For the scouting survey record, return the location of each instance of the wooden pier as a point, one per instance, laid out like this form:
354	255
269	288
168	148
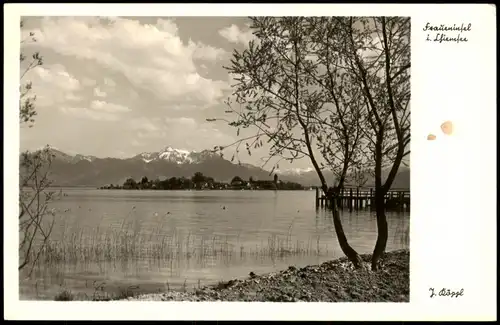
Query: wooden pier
356	199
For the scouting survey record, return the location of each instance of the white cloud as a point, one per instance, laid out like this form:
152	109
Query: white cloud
373	47
152	57
57	76
83	112
143	124
100	105
133	94
87	82
53	85
136	143
99	93
176	128
109	82
73	97
208	52
179	132
158	134
235	35
167	25
181	122
98	111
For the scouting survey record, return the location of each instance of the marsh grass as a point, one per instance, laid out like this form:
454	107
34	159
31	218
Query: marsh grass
127	246
65	295
96	247
128	242
100	293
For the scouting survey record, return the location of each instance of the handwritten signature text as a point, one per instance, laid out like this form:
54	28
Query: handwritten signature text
444	292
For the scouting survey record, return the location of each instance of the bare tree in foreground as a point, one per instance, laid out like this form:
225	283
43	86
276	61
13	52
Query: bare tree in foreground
384	77
34	228
291	91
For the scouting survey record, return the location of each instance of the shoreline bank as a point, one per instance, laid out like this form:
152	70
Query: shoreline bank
331	281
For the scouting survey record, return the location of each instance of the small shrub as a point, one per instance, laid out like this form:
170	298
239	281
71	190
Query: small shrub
222	285
125	293
65	295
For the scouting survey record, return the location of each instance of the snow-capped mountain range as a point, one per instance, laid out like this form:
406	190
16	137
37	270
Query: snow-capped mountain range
178	156
182	156
168	154
88	170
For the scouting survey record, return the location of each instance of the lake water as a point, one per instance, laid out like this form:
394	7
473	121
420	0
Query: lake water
110	240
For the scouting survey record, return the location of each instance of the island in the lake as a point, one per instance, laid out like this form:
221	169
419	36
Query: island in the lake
202	182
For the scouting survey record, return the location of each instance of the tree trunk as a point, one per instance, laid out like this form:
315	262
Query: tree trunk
351	254
380	191
383	232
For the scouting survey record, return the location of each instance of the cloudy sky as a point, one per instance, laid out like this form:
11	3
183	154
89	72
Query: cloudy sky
116	87
120	86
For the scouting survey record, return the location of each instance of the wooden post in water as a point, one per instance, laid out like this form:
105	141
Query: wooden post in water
317	198
350	200
357	199
339	199
342	198
371	198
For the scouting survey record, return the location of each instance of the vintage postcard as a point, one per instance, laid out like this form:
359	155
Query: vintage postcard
250	162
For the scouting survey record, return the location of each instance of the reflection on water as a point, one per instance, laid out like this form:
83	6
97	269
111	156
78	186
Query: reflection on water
158	240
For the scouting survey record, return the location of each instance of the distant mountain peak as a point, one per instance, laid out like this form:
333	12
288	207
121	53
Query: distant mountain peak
50	148
175	155
60	155
294	171
79	157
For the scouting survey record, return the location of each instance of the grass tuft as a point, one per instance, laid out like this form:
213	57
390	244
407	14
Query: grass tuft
65	295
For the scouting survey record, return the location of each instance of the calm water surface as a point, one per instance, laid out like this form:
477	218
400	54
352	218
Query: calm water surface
160	240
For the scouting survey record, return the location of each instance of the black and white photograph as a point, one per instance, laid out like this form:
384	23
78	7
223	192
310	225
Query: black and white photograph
249	161
215	158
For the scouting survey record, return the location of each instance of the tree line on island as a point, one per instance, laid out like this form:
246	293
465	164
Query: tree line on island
201	182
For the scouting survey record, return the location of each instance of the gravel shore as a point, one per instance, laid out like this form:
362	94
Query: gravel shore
332	281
